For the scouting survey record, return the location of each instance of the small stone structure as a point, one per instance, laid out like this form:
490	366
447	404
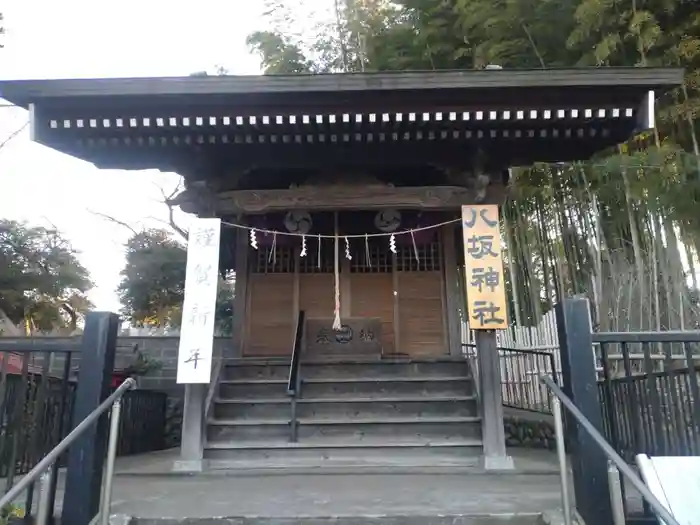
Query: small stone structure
536	431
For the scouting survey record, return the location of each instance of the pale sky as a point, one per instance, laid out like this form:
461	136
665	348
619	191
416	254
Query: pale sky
89	38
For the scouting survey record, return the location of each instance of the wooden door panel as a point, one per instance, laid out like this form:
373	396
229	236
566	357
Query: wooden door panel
372	295
270	315
421	323
316	295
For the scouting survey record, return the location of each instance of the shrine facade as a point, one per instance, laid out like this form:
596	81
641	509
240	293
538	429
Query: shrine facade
366	201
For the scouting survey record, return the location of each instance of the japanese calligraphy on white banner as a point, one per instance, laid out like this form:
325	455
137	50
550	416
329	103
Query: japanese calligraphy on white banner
194	360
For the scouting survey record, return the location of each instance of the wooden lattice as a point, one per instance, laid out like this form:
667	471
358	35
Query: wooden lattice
267	260
419	258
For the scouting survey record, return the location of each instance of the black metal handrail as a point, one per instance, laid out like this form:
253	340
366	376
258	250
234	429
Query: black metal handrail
613	456
294	379
46	468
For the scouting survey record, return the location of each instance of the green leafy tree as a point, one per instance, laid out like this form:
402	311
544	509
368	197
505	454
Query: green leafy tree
622	228
152	289
279	54
42	284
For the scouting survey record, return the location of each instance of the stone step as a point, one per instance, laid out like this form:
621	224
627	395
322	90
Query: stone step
417	519
378	406
252	388
275	408
432	427
355	387
387	387
400	452
421	428
348	369
248	429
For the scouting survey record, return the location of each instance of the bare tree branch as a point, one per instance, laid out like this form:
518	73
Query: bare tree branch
114	220
13	135
184	234
167	200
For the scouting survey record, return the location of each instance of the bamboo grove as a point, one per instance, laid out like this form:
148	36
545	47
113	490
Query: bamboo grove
622	228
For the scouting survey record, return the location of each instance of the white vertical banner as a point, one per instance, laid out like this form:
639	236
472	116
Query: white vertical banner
194	359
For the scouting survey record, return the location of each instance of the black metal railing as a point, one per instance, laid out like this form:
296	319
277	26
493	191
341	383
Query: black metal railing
521	371
649	389
294	379
614	459
142	426
36	403
37	394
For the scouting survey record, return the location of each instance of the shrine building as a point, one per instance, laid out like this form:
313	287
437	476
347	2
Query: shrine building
344	203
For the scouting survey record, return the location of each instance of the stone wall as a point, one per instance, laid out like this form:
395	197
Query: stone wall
162	348
529	430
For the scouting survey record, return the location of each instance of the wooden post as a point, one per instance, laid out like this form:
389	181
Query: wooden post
451	290
195	353
345	289
493	434
239	302
81	499
193	429
486	305
396	302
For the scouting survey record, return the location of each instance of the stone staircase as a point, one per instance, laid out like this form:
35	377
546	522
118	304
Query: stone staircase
531	519
351	413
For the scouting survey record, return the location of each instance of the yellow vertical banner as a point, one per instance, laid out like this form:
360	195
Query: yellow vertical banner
485	285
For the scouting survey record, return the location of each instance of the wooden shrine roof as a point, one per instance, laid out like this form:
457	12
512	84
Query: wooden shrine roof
194	124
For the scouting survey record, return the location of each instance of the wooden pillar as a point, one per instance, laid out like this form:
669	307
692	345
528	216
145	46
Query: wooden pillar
452	293
493	434
193	413
193	429
296	290
397	314
487	307
345	289
240	299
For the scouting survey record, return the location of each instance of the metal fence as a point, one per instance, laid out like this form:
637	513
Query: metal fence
142	426
520	379
521	369
650	392
36	406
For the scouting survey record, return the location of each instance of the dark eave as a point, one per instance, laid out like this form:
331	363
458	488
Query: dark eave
216	123
25	92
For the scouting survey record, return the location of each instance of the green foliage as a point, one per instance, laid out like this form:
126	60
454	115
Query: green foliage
142	364
153	280
281	56
9	512
41	280
623	227
152	289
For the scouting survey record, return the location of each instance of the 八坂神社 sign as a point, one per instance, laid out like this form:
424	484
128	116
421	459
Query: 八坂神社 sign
486	289
194	358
